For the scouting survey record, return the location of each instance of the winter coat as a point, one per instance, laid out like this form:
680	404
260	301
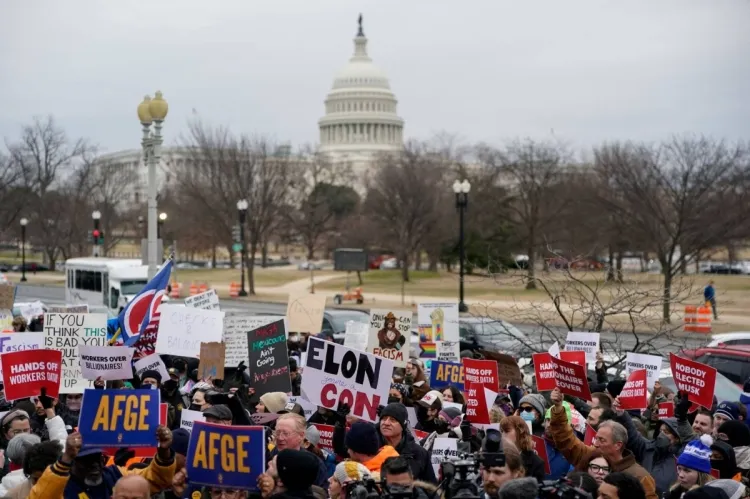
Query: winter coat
658	456
579	454
418	458
11	481
558	465
533	465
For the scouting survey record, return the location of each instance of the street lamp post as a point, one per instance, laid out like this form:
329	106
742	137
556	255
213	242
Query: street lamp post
140	226
160	227
152	111
24	222
242	212
96	216
461	189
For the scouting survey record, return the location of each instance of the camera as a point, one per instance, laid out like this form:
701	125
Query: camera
561	488
363	489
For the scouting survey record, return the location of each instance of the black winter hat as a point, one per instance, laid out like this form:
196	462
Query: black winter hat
398	412
615	386
737	432
298	469
728	465
362	438
705	493
151	374
292	365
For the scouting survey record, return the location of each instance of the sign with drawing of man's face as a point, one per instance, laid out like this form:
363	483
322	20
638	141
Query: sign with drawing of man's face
390	332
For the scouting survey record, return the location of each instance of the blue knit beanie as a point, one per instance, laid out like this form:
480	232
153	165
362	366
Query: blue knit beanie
362	438
697	454
729	410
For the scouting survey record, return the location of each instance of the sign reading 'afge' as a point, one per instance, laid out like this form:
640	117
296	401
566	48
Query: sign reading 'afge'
66	332
119	418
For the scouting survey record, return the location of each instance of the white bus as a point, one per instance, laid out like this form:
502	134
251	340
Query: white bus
110	282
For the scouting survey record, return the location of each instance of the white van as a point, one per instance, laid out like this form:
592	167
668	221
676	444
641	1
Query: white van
111	282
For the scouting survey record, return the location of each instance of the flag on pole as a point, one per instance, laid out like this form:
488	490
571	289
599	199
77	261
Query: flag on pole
137	315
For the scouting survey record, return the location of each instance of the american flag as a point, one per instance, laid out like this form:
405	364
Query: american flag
146	344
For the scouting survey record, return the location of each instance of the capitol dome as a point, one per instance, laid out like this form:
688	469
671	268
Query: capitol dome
361	118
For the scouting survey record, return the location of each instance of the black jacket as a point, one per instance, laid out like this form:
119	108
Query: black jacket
533	464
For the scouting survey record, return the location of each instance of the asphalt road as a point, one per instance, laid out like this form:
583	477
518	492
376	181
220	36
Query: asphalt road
54	295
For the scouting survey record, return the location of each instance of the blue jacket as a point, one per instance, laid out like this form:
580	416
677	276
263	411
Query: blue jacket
558	465
709	292
745	399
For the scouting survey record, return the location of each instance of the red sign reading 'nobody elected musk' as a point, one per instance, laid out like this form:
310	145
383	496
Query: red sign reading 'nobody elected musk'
697	379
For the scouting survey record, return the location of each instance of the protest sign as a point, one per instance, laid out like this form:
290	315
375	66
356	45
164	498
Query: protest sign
355	336
478	375
436	322
419	434
633	395
107	363
698	380
326	437
189	417
411	412
14	342
65	332
236	328
571	379
226	456
7	296
508	370
554	350
269	359
541	450
574	357
307	408
666	410
30	310
147	452
119	418
305	312
445	374
151	363
183	329
207	301
651	363
211	361
6	320
389	335
336	374
583	342
588	438
25	373
443	449
544	371
448	351
82	308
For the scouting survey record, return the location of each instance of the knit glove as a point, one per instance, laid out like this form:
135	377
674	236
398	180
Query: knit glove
47	402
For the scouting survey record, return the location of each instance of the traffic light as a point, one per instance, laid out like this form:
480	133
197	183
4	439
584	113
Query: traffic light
96	237
236	234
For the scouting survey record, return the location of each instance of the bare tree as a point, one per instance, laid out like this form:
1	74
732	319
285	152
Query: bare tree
108	183
679	198
404	199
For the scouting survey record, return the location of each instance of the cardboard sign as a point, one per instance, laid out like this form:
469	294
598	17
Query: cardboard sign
544	370
6	320
326	437
507	368
583	342
30	310
698	380
634	395
541	450
189	417
14	342
443	449
448	351
119	418
66	332
108	363
25	373
151	363
651	363
305	312
236	328
390	333
571	379
355	336
445	374
478	375
207	301
183	329
7	296
666	410
69	309
269	359
335	373
226	456
211	361
574	357
588	438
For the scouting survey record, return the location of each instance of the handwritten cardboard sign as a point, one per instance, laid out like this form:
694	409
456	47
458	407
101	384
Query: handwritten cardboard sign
7	296
305	312
236	328
211	361
269	359
507	368
183	329
66	332
207	301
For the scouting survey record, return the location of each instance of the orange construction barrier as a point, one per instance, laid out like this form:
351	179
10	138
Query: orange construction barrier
234	289
203	287
697	319
176	288
193	289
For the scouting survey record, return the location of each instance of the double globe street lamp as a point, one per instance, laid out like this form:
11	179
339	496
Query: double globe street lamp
461	189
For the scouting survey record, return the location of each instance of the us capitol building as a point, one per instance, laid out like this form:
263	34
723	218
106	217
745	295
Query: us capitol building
360	122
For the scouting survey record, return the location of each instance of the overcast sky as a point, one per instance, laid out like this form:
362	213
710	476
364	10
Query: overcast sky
586	71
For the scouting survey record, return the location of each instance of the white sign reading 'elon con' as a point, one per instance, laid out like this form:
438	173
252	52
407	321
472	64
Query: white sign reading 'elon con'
336	374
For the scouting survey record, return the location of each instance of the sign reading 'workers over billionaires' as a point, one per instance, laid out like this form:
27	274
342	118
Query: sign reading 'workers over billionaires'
107	363
698	380
226	456
119	418
336	374
27	372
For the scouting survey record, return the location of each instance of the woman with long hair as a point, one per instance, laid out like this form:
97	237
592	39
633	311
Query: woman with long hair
516	430
416	380
693	467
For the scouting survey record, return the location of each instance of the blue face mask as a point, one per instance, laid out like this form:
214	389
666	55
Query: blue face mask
527	416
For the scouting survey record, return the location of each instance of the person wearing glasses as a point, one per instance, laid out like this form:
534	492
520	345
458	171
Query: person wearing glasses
598	468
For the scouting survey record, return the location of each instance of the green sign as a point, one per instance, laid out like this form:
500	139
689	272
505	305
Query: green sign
236	247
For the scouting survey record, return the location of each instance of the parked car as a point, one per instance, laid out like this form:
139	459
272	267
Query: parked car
731	361
477	333
727	339
334	322
31	267
309	266
389	264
